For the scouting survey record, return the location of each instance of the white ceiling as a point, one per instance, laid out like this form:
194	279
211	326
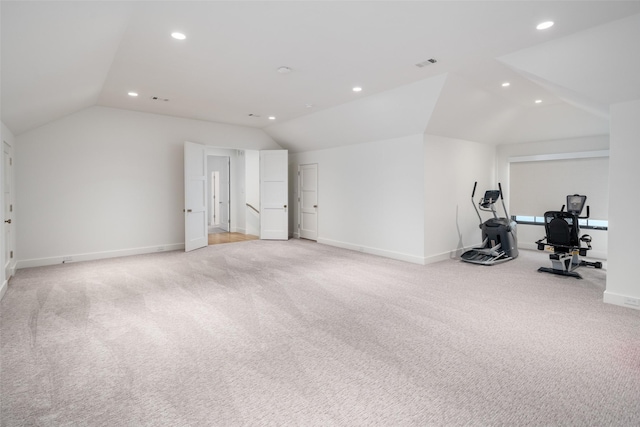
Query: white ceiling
61	57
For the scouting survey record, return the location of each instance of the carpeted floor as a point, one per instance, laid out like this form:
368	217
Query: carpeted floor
264	333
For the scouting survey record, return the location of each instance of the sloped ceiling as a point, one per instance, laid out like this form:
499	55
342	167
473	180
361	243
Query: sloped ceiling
398	112
595	68
61	57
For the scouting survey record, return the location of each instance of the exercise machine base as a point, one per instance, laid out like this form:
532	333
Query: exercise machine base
484	256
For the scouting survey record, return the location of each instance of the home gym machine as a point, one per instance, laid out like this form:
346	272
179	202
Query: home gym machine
564	240
499	237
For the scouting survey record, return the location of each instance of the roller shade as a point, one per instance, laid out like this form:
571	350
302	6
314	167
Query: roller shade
539	186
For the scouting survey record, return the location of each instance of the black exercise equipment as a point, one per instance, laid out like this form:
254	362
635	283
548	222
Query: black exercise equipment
499	237
563	238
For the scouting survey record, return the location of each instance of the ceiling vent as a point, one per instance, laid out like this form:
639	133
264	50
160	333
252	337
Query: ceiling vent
254	115
157	98
425	63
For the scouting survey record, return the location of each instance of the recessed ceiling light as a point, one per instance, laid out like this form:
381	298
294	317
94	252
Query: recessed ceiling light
178	36
309	105
506	84
284	70
357	89
544	25
538	101
134	94
272	118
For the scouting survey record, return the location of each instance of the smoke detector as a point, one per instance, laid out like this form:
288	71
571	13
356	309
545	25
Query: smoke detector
425	63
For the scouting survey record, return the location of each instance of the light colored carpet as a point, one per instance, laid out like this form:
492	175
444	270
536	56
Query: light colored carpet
297	333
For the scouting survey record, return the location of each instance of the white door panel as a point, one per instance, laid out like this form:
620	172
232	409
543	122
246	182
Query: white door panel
195	196
8	210
274	195
308	194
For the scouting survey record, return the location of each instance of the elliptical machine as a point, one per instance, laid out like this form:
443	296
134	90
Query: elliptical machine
499	235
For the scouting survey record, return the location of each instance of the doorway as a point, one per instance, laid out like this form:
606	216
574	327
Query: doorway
219	194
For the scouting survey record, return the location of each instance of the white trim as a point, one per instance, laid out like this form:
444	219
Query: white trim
375	251
559	156
40	262
621	300
3	289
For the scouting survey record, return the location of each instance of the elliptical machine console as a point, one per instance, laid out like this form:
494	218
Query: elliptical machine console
499	235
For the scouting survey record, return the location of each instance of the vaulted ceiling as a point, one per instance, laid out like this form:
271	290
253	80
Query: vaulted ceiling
62	57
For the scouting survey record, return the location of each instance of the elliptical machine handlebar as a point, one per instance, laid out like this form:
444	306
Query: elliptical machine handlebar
502	199
488	206
473	193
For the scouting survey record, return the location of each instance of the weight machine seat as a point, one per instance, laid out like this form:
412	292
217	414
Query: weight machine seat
563	236
562	230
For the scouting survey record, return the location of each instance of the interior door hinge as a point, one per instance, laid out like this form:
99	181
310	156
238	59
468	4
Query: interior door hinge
11	254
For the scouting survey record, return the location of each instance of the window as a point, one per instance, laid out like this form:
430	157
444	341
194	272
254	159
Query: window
593	224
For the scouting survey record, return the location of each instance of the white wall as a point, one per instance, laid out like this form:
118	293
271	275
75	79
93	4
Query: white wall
451	168
529	234
7	136
107	182
370	196
623	286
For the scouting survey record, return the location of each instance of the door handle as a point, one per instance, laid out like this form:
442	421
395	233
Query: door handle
285	206
188	210
8	221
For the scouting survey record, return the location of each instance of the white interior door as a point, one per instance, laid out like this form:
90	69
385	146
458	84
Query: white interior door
195	196
274	195
8	210
308	201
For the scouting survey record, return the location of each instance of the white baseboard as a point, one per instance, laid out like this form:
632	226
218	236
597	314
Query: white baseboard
40	262
3	289
621	300
374	251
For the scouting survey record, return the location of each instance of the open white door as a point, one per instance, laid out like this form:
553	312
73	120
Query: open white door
308	201
274	195
8	213
195	196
